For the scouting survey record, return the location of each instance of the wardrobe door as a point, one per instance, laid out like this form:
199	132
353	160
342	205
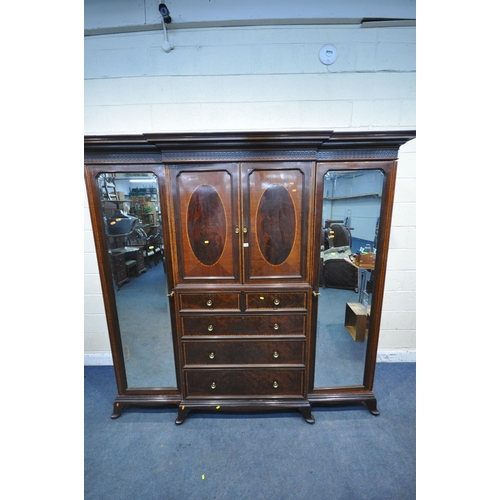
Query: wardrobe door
275	219
354	204
206	213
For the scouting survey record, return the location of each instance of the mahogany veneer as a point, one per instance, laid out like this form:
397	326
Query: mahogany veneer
242	233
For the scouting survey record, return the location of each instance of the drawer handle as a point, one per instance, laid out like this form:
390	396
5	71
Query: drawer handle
275	384
245	230
276	355
209	302
276	302
211	355
210	328
213	385
276	326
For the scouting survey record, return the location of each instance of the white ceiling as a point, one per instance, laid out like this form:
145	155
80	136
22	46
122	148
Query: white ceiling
112	16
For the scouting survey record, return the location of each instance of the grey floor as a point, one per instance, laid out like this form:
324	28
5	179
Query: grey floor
346	454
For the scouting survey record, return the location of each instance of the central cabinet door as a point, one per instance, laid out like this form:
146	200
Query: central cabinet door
275	217
242	223
207	223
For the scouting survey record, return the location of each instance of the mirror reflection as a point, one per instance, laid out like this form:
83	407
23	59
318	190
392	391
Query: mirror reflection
351	211
132	219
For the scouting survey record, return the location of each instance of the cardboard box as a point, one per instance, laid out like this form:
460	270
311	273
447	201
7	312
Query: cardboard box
356	321
366	260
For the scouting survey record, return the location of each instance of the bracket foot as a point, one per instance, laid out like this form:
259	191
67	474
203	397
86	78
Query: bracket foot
372	407
117	409
181	415
307	415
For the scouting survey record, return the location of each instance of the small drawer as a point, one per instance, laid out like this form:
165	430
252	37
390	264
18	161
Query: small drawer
245	352
209	301
244	382
271	325
275	300
121	275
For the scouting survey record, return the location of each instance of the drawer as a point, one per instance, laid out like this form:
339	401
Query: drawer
275	300
244	352
244	382
271	325
209	301
121	275
120	265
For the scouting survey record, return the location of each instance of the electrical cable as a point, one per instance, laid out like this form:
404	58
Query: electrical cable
166	45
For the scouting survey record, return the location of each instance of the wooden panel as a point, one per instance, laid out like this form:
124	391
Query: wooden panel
235	382
206	211
244	352
209	301
275	300
276	197
206	224
275	224
272	325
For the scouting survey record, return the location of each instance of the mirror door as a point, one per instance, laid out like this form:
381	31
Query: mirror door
130	219
351	202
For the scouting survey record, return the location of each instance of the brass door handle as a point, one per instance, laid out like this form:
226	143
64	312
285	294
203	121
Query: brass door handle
275	384
211	355
213	385
276	326
276	355
276	302
316	294
210	328
209	302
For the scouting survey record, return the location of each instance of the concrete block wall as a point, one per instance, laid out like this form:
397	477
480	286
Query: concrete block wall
262	78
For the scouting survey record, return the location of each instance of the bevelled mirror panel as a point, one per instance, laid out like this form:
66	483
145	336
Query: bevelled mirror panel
350	219
135	245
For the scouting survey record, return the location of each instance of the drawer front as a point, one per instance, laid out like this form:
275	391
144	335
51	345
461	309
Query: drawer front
236	382
275	300
139	256
209	301
244	352
119	265
118	258
121	275
272	325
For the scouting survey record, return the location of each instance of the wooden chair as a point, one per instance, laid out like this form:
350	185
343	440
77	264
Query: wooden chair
151	251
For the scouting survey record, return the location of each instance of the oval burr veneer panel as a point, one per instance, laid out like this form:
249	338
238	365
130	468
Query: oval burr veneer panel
275	224
206	224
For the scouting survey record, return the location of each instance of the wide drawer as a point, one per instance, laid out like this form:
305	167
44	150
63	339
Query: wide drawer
243	352
275	300
209	301
243	325
244	382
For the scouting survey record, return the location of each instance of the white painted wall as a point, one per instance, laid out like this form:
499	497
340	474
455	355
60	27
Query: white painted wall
262	78
125	15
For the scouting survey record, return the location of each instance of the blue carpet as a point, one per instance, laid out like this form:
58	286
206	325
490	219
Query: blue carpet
347	454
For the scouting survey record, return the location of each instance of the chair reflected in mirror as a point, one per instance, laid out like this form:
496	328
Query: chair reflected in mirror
151	245
336	271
